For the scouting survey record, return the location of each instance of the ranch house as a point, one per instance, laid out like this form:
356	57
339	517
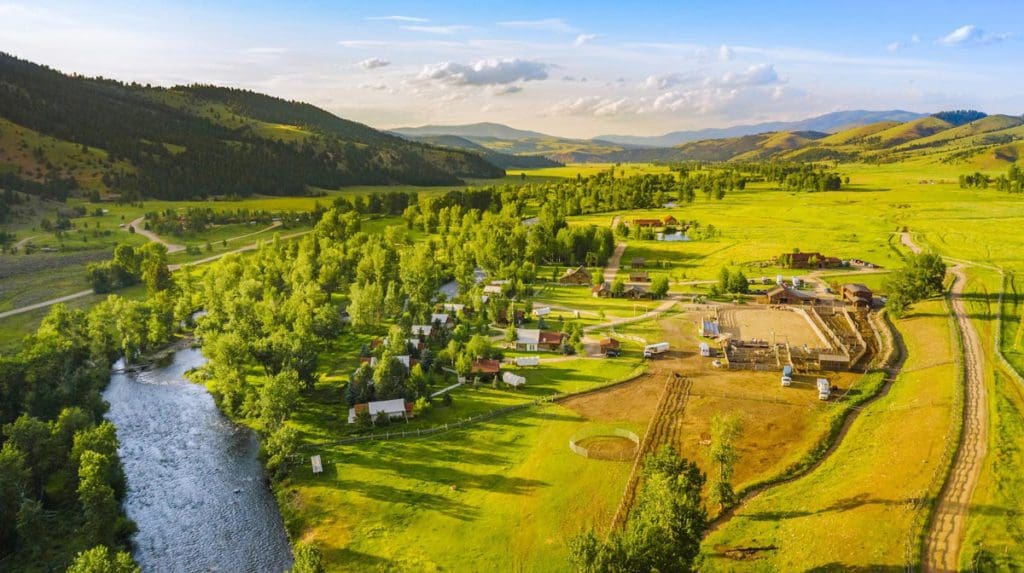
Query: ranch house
603	290
577	276
639	277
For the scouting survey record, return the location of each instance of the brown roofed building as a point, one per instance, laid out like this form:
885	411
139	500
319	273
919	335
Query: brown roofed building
550	340
485	367
647	222
670	220
577	276
639	277
857	294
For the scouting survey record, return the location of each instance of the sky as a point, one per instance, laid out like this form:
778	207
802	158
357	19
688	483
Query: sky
575	69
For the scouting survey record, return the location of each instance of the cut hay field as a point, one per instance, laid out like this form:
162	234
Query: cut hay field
857	510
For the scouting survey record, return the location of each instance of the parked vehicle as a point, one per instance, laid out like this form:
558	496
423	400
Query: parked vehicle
824	389
652	350
787	375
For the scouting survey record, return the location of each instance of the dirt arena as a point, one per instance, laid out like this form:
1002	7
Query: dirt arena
769	324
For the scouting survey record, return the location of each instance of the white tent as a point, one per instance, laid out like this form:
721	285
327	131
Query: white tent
513	380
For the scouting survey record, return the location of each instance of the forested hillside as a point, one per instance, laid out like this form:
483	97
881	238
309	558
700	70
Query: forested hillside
198	141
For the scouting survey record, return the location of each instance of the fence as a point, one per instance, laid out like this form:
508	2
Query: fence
595	433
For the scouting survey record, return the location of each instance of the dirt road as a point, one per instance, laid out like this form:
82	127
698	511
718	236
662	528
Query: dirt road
139	226
946	534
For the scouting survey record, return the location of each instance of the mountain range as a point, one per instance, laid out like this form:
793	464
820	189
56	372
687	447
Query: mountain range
194	141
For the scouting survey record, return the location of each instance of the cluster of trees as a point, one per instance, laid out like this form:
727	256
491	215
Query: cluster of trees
960	116
54	186
797	176
665	525
129	266
731	282
199	219
60	476
1010	182
921	277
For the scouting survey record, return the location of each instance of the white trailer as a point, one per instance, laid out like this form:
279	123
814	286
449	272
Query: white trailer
705	349
824	389
652	350
528	361
542	311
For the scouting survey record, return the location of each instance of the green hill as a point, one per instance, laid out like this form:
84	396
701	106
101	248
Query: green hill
197	141
502	160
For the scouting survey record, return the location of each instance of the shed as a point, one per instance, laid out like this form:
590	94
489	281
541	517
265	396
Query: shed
857	294
603	290
423	330
635	291
541	311
647	222
550	340
607	344
492	289
637	262
485	367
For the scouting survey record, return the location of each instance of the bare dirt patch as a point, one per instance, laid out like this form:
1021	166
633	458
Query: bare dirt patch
608	448
633	401
770	324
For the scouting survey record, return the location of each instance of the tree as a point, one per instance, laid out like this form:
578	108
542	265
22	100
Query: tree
14	478
510	332
277	448
725	431
99	505
100	559
738	283
922	276
665	526
308	559
389	377
278	396
724	280
659	286
153	268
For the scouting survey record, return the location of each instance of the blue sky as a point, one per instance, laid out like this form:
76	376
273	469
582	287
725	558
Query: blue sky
568	68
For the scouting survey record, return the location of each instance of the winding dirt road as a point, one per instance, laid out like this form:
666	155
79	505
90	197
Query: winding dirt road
946	533
139	225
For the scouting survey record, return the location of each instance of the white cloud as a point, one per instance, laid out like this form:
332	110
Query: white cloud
504	90
583	39
261	50
362	43
556	25
400	18
757	74
897	46
442	30
664	81
971	35
725	53
373	63
486	72
375	87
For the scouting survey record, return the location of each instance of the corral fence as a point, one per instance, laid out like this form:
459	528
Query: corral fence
574	444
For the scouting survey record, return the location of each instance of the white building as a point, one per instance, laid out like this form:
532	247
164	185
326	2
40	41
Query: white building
528	339
395	409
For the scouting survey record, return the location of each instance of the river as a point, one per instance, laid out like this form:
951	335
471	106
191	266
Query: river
196	489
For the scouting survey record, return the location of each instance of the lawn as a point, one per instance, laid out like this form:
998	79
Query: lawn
856	510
